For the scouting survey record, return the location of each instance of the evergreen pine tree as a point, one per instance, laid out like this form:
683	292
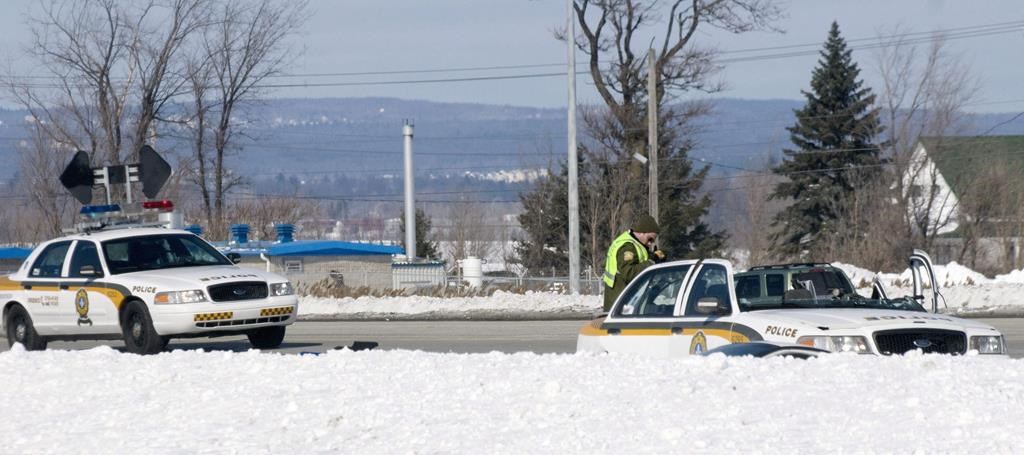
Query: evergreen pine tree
544	244
426	247
836	153
684	234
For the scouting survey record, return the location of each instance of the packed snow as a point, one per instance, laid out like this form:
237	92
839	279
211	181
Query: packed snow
103	401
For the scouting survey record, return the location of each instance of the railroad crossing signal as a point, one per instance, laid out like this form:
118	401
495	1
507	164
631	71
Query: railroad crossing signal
80	178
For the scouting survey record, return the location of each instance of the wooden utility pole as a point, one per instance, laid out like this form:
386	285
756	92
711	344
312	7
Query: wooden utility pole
652	133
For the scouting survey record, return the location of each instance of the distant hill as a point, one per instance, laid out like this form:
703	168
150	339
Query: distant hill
360	137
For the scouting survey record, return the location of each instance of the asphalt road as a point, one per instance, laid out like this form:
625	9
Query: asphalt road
445	336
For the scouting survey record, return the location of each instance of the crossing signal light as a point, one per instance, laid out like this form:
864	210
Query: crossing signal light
80	178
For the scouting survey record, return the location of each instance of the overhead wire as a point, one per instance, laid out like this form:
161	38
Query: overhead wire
872	43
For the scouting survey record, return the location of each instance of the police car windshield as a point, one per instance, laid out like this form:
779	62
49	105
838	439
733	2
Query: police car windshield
154	252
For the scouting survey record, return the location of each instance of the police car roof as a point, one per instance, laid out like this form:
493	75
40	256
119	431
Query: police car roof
108	234
794	265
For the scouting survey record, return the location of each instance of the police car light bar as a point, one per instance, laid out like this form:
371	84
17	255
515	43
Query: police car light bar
95	211
161	206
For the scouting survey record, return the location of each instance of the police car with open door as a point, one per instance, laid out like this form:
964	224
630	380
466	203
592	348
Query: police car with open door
144	285
689	307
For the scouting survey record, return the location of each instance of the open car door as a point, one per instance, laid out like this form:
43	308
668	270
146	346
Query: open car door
921	268
878	290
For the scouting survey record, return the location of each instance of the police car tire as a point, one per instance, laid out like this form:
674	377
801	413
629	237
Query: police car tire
139	335
19	320
267	337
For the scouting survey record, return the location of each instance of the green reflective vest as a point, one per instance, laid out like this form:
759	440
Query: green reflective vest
611	263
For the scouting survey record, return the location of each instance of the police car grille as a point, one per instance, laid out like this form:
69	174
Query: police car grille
928	340
260	320
245	290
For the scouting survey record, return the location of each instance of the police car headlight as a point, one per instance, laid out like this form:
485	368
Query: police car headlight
193	296
988	345
279	289
855	344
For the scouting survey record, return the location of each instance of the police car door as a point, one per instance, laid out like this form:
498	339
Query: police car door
84	300
641	319
708	302
921	269
41	286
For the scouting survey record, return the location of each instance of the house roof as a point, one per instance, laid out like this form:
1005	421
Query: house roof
331	248
963	159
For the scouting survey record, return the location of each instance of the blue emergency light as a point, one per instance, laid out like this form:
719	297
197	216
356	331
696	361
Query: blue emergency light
94	211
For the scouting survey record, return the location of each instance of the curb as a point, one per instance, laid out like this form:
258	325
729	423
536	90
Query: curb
474	315
489	315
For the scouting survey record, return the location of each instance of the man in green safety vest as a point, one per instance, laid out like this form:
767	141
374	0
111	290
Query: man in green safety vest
630	253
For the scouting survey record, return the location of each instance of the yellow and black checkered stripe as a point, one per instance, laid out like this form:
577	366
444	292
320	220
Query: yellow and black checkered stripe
199	317
277	311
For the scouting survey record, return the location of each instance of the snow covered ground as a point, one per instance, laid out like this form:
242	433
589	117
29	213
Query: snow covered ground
103	401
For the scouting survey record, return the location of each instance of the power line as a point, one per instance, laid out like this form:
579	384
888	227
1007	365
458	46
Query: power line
873	43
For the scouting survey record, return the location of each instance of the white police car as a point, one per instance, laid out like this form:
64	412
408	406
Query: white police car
142	284
689	307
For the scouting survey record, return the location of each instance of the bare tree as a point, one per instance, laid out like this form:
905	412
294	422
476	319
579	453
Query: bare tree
922	95
615	36
155	56
40	160
471	232
112	67
110	73
262	214
245	46
81	47
749	228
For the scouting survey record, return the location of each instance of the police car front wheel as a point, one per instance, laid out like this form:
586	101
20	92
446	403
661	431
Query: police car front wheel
139	335
20	330
267	337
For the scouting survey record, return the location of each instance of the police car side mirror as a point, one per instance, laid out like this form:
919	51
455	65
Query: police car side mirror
88	270
711	306
235	258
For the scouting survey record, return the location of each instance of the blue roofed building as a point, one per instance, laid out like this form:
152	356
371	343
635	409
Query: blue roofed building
335	262
11	258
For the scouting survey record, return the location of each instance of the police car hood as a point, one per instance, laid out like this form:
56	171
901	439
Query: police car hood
184	278
853	318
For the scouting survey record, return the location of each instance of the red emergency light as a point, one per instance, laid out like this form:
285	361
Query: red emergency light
163	206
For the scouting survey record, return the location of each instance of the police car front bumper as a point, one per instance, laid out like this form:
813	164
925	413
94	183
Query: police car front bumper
191	318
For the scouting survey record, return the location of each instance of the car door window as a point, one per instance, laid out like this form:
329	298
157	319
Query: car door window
712	281
50	262
653	294
825	282
85	254
748	287
775	284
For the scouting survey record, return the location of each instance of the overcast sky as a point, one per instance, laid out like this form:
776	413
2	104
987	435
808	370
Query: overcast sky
360	36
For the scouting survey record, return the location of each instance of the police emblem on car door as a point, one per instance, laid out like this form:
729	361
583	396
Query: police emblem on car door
82	306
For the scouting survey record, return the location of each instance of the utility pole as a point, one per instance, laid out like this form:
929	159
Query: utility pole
574	199
410	202
652	132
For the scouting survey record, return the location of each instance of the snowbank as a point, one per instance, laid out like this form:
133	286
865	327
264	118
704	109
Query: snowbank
949	275
501	303
102	401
